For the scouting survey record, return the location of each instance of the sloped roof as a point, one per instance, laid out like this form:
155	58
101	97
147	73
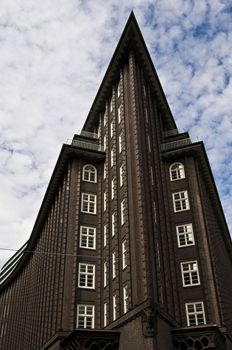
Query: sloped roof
131	39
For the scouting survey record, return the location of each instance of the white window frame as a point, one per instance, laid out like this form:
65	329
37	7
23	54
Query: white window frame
118	89
182	201
105	274
105	315
87	237
113	265
104	201
91	201
114	307
124	254
112	158
86	275
105	118
120	143
88	315
113	183
111	129
125	299
185	235
113	224
104	171
176	173
190	273
195	317
104	235
92	171
119	114
104	143
123	214
121	175
111	104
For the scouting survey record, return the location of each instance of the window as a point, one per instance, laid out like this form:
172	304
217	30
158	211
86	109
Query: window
121	175
120	143
104	143
124	254
190	273
85	316
112	188
185	236
195	313
113	224
111	130
125	299
180	201
111	104
105	314
104	235
105	118
119	115
111	158
123	209
88	203
104	171
86	278
176	171
105	274
114	307
89	173
146	115
87	237
118	89
104	201
113	265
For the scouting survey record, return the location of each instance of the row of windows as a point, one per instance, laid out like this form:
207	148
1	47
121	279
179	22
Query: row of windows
89	204
195	312
114	263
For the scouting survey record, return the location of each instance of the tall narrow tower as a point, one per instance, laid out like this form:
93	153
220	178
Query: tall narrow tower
130	249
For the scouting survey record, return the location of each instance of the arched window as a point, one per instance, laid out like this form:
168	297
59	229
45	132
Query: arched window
177	171
89	173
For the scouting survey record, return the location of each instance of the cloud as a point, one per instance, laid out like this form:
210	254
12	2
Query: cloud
53	56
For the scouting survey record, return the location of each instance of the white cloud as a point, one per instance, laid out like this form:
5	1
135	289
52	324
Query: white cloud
53	55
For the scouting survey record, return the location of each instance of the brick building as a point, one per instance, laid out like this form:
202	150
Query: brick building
130	248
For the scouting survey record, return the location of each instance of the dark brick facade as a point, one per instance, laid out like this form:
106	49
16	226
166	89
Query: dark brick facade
144	302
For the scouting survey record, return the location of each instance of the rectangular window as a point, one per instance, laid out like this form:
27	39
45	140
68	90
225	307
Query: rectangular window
180	201
113	265
104	143
111	158
105	314
104	171
111	104
88	203
124	254
195	313
190	273
185	236
114	307
87	237
152	178
85	316
111	130
118	89
86	276
113	224
104	201
146	115
120	143
112	188
119	115
121	175
125	299
105	118
105	274
104	235
123	209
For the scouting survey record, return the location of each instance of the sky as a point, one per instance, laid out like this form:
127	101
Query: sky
53	56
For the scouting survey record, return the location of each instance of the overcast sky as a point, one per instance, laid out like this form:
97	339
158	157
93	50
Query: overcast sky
53	55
